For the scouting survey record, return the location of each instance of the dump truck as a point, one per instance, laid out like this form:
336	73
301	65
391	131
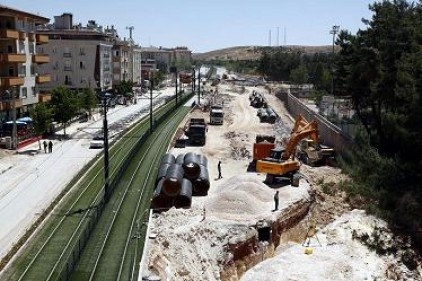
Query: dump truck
313	153
196	130
282	162
216	115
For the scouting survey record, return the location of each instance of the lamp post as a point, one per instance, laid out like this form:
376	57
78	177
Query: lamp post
107	191
173	69
151	86
199	85
193	79
334	30
11	101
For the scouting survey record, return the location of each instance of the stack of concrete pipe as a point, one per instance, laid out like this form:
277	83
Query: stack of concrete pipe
178	179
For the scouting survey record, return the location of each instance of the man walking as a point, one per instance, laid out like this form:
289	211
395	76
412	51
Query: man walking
276	199
219	170
50	146
45	146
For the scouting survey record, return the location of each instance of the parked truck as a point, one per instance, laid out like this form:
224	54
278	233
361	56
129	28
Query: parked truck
216	115
196	130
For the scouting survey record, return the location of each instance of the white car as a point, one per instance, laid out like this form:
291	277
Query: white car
97	142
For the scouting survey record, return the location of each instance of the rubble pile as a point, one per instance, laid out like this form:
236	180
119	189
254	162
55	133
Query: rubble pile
238	143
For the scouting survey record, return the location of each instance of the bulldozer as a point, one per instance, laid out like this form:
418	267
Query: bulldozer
282	161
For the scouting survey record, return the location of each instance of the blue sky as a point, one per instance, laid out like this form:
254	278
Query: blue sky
209	25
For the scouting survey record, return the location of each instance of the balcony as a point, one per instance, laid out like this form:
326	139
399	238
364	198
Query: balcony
40	58
22	35
12	58
44	97
7	104
41	39
9	34
6	82
42	78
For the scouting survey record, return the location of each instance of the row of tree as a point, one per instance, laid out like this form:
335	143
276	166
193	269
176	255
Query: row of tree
64	105
381	69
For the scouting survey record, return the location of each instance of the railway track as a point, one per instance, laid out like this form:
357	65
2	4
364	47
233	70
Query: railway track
47	256
113	252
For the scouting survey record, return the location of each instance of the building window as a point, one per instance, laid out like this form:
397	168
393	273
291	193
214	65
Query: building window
67	65
24	92
22	71
82	65
34	93
67	53
31	48
82	51
67	80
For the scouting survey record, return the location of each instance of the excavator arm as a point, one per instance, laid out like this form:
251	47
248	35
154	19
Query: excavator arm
274	167
302	129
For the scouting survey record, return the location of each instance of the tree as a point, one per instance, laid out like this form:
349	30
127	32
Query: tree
381	69
64	104
41	116
299	75
88	100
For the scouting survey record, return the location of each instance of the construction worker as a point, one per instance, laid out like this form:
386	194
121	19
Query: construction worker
276	200
219	170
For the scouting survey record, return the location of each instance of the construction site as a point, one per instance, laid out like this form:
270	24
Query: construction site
271	208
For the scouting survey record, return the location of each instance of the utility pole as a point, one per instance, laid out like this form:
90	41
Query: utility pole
150	101
334	30
199	86
173	69
11	99
107	192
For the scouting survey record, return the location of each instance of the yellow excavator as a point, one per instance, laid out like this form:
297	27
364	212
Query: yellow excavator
282	162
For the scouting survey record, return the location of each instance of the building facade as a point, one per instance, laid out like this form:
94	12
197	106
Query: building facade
21	74
80	57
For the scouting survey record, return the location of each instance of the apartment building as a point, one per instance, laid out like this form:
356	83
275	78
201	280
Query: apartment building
80	56
163	58
126	62
21	75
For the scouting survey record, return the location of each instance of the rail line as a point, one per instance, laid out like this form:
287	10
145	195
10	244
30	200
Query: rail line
115	259
45	258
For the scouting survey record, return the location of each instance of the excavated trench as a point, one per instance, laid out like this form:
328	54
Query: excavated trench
261	244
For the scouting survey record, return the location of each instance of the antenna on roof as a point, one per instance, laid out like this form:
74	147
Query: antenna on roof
130	31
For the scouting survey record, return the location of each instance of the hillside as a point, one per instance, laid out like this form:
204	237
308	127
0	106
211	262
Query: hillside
254	52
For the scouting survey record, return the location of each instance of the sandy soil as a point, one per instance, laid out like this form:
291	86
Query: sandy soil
192	244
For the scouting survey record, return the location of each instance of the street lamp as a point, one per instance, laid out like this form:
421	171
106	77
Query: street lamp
151	86
173	69
193	79
11	101
334	30
105	97
199	85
